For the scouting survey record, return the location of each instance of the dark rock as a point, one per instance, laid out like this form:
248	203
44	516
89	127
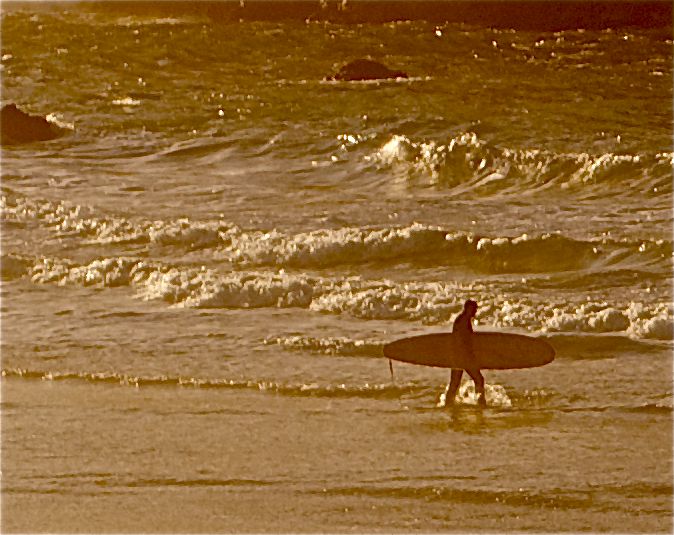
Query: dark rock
365	69
17	126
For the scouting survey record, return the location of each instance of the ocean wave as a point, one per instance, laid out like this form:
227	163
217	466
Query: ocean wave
641	322
497	396
579	499
341	390
377	82
131	21
184	286
342	347
449	496
577	345
467	162
415	243
67	220
660	407
208	289
75	221
323	248
126	101
428	302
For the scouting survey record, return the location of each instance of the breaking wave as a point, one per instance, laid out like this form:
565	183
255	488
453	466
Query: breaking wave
467	161
428	302
497	396
261	269
416	243
68	221
366	390
343	347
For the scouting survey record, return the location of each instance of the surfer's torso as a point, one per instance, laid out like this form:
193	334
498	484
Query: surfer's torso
463	329
463	325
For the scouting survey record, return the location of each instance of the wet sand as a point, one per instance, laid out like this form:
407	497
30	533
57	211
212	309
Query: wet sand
99	458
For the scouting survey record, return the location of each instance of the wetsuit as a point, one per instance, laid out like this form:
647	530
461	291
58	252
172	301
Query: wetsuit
463	329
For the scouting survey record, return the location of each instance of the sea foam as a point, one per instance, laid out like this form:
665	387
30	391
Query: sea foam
426	302
466	160
323	248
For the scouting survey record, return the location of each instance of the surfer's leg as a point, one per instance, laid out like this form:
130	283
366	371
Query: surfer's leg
453	386
478	379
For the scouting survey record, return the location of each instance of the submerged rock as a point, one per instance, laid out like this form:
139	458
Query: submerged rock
17	126
365	69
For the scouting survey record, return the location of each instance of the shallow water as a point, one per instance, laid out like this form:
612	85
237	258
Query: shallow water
198	279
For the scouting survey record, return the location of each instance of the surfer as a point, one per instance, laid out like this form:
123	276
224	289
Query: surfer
463	328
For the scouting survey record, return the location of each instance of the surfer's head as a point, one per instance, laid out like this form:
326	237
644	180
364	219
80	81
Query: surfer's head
470	307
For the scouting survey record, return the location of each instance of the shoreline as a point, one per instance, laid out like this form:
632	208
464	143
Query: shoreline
81	458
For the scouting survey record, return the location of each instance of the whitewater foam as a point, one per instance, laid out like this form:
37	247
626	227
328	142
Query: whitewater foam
342	347
427	302
495	395
466	160
417	243
330	390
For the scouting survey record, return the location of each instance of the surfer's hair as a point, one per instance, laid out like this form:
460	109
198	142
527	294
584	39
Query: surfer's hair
470	304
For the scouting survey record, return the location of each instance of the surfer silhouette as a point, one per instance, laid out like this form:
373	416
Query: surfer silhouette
463	329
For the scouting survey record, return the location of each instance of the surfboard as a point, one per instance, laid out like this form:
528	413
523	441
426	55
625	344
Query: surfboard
495	351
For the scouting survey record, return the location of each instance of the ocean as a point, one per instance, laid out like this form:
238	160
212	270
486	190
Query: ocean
199	276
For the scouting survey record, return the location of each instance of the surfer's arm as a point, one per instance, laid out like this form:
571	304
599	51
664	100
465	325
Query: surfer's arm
466	343
469	348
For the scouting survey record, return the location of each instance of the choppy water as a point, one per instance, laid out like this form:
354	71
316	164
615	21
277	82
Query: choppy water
220	217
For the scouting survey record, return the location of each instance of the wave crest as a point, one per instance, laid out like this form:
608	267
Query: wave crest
343	347
428	302
467	162
323	248
342	390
